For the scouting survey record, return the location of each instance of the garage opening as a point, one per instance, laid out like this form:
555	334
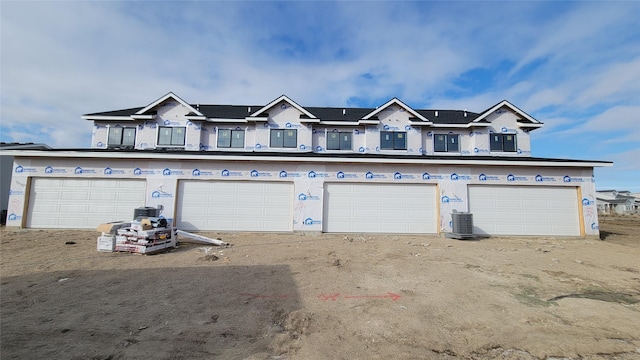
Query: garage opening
82	203
380	208
524	210
235	206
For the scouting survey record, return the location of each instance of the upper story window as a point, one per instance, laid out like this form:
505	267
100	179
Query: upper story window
284	138
503	142
171	136
230	138
446	143
121	136
393	140
339	141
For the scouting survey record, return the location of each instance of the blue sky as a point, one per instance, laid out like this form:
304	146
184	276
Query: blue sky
573	65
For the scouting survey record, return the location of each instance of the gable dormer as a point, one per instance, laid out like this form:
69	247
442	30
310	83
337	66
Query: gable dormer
508	130
506	114
286	126
395	128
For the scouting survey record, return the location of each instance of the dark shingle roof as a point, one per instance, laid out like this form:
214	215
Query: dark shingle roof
347	114
123	112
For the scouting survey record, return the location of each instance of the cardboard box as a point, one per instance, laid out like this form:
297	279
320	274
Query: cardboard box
145	224
106	243
112	227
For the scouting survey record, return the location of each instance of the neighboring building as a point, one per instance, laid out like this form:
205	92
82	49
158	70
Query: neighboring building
617	202
6	165
285	167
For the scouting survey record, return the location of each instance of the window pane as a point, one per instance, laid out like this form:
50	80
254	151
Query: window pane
237	138
290	138
115	136
333	141
164	136
400	141
345	141
440	143
177	136
224	138
452	142
129	136
509	142
276	138
386	140
495	142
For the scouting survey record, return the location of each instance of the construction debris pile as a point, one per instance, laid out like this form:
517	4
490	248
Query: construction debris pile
148	233
144	235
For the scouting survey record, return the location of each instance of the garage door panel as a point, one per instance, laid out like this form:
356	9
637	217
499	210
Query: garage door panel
101	209
46	195
392	208
82	203
235	205
524	210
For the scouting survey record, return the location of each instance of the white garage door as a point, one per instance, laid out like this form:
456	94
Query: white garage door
380	208
235	206
82	203
524	210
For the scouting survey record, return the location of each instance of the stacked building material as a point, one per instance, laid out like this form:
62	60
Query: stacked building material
145	236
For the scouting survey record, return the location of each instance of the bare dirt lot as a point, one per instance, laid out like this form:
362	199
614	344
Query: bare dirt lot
292	296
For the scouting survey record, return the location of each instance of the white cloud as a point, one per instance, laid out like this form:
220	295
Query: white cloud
573	65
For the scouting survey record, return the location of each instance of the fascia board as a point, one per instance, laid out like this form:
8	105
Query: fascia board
420	123
397	102
367	160
143	117
310	121
167	96
338	123
283	98
526	125
256	118
106	118
218	120
460	126
201	118
369	122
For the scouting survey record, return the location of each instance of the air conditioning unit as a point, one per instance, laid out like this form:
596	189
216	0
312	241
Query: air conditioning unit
462	225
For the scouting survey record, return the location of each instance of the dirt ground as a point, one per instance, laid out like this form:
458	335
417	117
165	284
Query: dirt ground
329	296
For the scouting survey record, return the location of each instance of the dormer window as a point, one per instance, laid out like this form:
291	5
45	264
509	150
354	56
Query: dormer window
339	141
121	136
446	143
171	136
230	138
393	140
284	138
503	142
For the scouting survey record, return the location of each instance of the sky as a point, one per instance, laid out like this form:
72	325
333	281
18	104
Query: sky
573	65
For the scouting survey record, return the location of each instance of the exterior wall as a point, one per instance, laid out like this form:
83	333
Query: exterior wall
319	138
284	116
6	165
202	135
162	176
505	121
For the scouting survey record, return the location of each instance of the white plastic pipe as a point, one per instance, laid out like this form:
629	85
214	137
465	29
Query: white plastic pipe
205	239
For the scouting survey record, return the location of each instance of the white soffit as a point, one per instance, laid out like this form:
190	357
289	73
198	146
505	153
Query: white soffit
106	118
